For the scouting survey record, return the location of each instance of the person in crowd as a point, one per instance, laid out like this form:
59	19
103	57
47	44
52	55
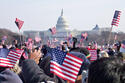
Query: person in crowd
111	52
85	64
32	73
118	45
98	53
107	70
103	54
82	50
121	55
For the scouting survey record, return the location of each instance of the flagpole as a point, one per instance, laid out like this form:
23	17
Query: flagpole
110	35
115	38
67	34
20	38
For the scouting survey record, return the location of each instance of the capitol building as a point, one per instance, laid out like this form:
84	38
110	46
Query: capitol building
62	28
62	31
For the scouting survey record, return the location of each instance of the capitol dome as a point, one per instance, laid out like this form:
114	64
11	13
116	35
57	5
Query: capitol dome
62	24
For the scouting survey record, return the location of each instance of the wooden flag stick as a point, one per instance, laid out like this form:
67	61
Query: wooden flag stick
115	37
110	33
20	38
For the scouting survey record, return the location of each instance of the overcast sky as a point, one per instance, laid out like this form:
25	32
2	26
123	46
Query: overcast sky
43	14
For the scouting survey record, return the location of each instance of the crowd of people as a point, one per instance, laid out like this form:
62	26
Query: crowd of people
33	66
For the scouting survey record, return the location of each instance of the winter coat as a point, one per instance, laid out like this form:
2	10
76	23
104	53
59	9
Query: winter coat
32	73
8	76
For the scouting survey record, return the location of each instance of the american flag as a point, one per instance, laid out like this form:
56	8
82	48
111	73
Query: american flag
14	55
93	54
37	39
55	40
84	35
116	18
69	37
53	30
65	65
11	58
122	48
29	39
4	38
19	23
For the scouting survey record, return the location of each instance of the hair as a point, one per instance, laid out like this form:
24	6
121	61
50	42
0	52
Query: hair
81	50
104	54
107	70
4	46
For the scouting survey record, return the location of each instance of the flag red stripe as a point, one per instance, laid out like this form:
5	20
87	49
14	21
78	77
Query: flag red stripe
8	63
69	71
63	77
70	68
73	60
75	57
71	64
16	52
63	73
5	65
13	55
14	60
7	60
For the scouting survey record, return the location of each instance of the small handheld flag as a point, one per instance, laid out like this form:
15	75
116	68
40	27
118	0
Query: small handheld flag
65	65
116	18
4	38
53	30
9	58
19	23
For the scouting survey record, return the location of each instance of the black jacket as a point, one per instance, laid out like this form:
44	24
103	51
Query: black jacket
8	76
33	73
